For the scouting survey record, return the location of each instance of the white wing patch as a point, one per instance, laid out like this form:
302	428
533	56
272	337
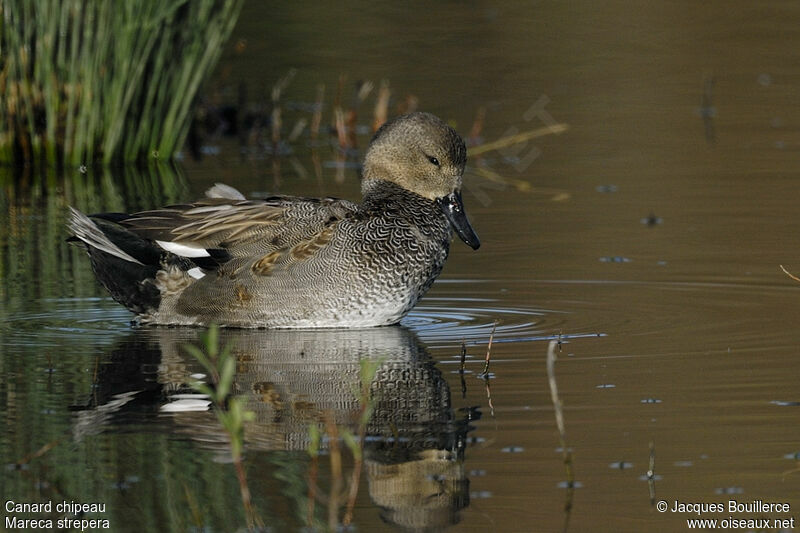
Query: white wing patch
220	190
208	209
183	250
196	272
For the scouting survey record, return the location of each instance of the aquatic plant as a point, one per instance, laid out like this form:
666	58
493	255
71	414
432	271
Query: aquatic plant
221	367
353	441
86	81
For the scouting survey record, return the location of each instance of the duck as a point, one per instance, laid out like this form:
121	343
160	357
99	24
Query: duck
288	261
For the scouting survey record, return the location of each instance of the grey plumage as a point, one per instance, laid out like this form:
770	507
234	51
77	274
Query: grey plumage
302	262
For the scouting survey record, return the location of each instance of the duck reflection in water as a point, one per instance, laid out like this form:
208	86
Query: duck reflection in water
414	446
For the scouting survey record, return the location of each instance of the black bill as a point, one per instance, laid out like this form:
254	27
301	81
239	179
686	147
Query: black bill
453	208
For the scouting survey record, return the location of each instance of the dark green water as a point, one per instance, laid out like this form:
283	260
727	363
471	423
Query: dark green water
650	231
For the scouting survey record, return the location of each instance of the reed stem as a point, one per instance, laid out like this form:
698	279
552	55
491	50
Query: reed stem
101	81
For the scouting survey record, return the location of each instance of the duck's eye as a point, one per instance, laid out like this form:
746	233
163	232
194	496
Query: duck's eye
433	160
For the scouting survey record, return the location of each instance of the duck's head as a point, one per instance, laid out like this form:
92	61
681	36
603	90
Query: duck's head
423	155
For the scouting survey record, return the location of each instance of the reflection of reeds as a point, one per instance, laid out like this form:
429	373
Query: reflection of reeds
381	105
86	81
276	119
314	438
316	119
338	115
473	139
34	257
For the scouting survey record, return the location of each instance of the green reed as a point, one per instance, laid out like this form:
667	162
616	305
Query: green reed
98	80
230	411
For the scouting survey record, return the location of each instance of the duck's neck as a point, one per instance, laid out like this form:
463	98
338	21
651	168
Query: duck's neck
380	192
372	187
387	203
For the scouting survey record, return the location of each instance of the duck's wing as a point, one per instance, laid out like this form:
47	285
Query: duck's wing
219	233
240	228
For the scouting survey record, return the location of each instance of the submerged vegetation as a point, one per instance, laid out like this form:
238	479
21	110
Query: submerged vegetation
87	81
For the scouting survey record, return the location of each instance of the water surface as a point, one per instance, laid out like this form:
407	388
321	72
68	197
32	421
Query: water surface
648	235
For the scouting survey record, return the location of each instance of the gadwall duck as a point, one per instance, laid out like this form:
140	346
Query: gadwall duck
290	262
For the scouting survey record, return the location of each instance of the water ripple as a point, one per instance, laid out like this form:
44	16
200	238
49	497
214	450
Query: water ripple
444	321
448	321
59	319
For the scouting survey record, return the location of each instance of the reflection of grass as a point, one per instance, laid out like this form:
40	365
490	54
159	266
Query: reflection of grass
221	366
36	263
102	80
354	442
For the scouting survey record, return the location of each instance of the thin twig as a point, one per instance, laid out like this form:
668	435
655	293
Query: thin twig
297	130
194	508
566	453
96	369
316	118
651	473
463	369
313	450
517	138
364	413
38	453
792	471
341	128
485	372
381	105
409	104
551	375
276	123
358	465
312	489
789	273
244	489
556	195
336	470
477	126
489	396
